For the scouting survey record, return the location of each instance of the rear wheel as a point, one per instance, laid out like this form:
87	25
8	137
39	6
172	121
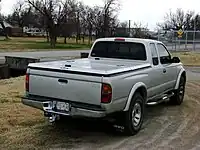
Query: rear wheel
134	116
178	97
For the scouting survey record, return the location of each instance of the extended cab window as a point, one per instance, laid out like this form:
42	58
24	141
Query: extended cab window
165	57
154	54
120	50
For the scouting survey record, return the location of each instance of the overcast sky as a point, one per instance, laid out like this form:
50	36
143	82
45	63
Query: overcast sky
145	11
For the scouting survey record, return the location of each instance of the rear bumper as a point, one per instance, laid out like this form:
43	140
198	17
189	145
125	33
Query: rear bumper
74	111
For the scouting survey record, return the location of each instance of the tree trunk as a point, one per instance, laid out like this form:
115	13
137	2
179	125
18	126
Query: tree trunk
76	39
83	38
96	36
53	42
90	36
4	29
47	36
53	36
65	39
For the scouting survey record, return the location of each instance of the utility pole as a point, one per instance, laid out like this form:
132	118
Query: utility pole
129	28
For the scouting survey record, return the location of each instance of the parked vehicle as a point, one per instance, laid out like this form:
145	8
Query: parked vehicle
119	78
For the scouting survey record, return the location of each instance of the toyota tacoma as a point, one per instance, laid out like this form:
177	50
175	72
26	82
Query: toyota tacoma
119	78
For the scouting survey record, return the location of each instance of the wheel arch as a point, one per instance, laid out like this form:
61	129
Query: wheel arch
138	87
181	73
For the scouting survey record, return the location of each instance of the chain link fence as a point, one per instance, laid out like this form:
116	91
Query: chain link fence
188	41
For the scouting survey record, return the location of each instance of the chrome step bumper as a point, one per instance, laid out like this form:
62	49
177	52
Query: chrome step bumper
79	112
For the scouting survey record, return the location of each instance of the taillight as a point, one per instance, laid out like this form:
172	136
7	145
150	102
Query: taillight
106	93
27	83
119	39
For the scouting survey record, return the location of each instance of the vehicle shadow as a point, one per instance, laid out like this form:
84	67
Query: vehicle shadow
96	133
72	133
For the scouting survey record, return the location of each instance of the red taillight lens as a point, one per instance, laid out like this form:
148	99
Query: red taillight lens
106	93
119	39
27	83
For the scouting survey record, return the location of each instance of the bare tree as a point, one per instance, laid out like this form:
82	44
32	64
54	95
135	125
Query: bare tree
2	18
109	10
140	30
87	21
55	13
4	28
177	20
18	13
195	23
97	21
123	24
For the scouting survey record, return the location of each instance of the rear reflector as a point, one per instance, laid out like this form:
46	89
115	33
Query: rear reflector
27	83
119	39
106	93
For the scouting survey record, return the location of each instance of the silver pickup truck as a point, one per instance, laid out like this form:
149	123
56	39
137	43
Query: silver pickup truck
119	78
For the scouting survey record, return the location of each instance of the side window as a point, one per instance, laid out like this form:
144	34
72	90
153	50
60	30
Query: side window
165	57
154	54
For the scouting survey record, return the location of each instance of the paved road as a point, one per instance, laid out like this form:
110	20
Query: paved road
193	74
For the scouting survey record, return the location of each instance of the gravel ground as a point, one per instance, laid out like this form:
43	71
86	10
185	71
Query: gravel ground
165	127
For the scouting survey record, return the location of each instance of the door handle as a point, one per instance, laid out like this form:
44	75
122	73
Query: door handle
164	70
63	81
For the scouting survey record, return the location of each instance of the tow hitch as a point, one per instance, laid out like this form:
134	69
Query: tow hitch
48	106
53	118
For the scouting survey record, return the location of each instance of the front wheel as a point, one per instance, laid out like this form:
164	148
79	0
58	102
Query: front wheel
135	115
178	97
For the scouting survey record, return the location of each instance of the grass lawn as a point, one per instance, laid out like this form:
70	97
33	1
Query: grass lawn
188	58
34	44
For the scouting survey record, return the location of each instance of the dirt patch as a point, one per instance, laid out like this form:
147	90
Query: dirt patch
165	127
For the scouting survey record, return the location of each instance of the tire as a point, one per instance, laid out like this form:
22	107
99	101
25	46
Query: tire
136	112
179	94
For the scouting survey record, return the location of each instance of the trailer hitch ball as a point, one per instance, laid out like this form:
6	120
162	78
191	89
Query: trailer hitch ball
53	118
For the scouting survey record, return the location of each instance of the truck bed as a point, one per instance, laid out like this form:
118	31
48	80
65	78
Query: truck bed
77	80
89	66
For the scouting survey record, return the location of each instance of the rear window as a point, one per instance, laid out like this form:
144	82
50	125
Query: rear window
120	50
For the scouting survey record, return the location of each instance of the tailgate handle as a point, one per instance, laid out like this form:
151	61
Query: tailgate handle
63	81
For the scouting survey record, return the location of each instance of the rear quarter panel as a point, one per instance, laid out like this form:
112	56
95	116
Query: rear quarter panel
121	87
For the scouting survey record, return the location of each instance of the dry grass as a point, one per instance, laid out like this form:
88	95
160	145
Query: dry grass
23	127
16	120
188	58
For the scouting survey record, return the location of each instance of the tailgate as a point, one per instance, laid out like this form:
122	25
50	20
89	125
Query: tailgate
64	86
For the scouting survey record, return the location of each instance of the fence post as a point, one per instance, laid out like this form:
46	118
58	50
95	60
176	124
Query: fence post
175	42
194	34
186	38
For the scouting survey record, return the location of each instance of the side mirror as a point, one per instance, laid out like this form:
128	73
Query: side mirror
84	55
176	60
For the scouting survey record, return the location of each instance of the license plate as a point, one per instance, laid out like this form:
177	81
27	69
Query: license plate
62	106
